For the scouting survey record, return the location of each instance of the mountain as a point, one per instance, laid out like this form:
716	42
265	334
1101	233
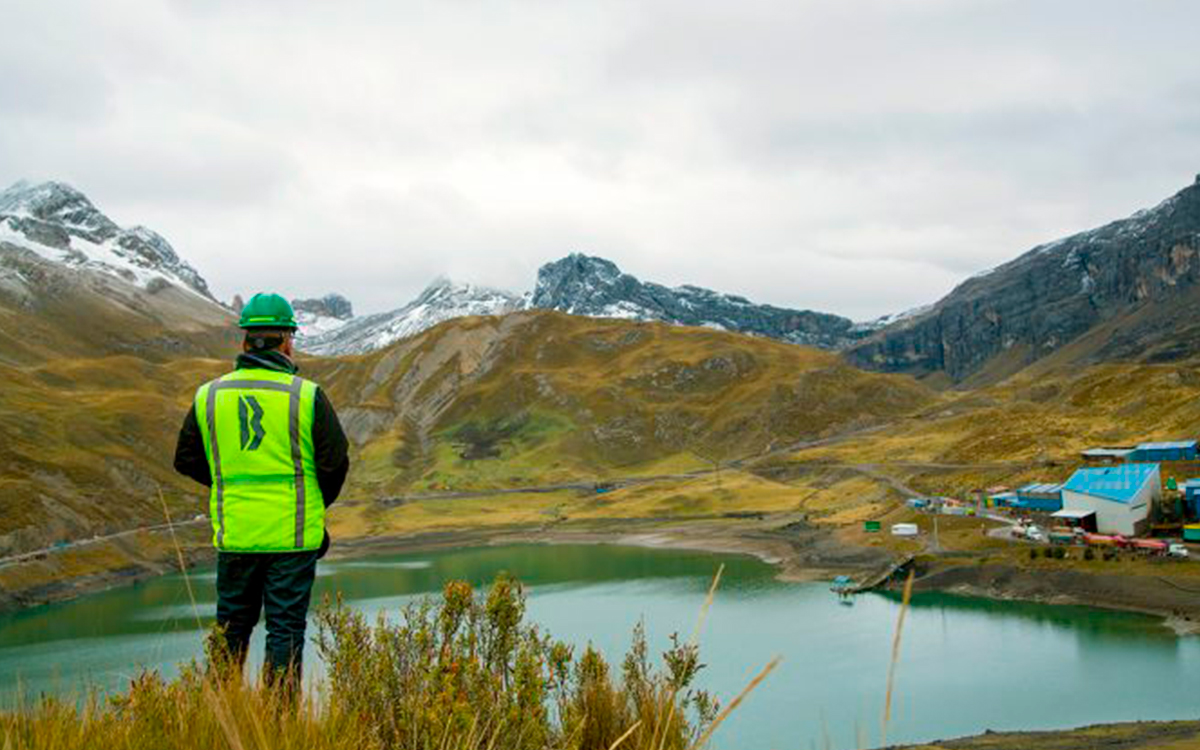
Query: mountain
321	315
1126	291
584	285
59	223
440	301
73	283
104	334
578	285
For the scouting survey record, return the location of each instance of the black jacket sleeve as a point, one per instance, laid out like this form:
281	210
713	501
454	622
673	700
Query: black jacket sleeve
330	449
190	459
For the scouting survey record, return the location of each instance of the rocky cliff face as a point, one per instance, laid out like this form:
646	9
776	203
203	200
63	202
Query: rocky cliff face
583	285
1122	291
59	223
330	306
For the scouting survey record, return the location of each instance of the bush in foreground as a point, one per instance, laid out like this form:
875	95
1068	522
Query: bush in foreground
463	672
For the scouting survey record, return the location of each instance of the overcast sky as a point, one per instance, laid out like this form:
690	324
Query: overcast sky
857	157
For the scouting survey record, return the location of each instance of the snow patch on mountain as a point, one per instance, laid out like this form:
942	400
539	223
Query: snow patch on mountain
871	326
440	301
59	223
316	317
585	285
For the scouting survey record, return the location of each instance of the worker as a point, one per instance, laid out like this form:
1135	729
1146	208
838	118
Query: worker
269	445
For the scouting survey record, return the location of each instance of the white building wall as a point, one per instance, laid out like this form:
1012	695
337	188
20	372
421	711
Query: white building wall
1118	518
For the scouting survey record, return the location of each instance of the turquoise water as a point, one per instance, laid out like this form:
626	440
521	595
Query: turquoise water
965	665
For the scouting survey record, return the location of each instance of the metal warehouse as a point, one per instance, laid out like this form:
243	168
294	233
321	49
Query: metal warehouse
1121	496
1107	456
1179	450
1043	497
1191	497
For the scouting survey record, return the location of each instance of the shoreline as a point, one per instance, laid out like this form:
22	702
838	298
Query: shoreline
799	552
802	553
811	554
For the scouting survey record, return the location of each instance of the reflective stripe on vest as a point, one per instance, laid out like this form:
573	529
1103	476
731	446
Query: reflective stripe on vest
265	497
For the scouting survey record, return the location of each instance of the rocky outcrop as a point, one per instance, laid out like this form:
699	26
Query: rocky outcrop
584	285
330	306
1127	286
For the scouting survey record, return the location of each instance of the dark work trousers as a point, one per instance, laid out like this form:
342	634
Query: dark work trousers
279	584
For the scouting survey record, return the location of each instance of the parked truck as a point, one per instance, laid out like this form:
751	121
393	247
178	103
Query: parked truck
1058	536
1105	540
1150	546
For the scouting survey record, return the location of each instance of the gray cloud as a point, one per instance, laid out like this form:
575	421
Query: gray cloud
857	157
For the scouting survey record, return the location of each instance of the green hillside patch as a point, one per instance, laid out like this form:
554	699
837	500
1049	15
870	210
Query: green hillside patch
507	451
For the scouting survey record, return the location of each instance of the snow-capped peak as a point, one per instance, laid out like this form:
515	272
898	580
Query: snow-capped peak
442	300
583	285
57	203
322	315
59	223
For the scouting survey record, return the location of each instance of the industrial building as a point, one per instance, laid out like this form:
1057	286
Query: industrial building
1191	497
1006	499
1106	456
1076	518
1040	497
1178	450
1120	496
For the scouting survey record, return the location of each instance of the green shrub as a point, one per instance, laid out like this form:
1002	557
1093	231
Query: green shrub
1088	554
465	672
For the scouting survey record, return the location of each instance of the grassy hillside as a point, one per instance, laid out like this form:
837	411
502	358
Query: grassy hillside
530	399
544	398
49	311
84	444
1030	427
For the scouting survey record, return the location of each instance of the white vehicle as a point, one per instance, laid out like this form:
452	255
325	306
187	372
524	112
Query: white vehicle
1035	534
1177	550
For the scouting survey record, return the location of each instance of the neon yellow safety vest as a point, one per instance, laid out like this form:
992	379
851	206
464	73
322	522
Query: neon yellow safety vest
257	427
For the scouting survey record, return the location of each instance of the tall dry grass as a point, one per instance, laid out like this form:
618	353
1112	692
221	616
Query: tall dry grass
463	671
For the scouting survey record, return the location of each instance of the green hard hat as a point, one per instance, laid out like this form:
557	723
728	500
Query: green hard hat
267	311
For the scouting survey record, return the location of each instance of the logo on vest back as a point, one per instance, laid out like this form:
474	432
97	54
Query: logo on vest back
250	416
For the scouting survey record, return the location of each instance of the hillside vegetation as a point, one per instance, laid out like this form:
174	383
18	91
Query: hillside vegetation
541	398
467	671
1030	427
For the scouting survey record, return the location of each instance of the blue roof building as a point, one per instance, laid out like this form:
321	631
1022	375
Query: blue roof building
1120	495
1041	497
1178	450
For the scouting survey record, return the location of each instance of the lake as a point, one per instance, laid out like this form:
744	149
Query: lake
965	664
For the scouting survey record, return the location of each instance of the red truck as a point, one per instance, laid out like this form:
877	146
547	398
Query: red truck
1152	546
1103	540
